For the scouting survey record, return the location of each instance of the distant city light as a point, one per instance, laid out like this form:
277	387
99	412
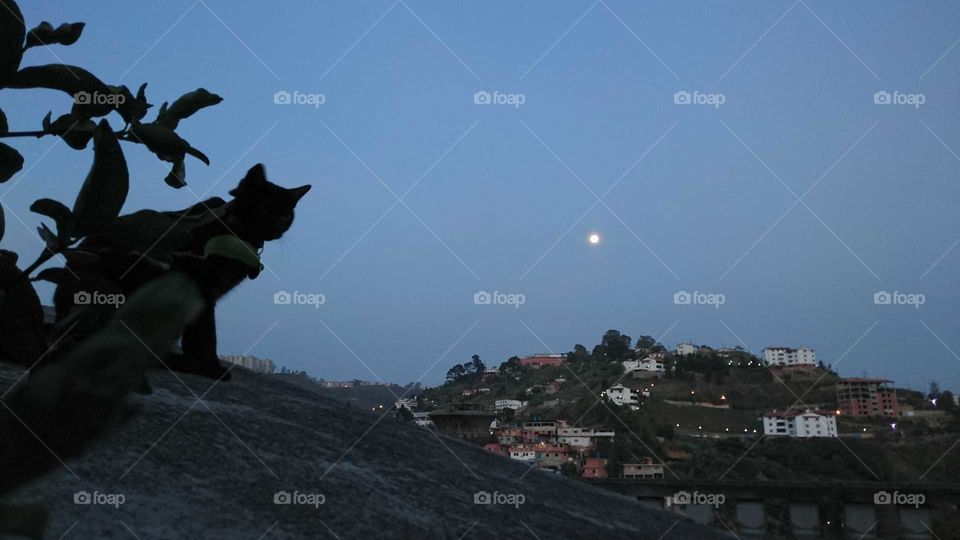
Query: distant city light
594	238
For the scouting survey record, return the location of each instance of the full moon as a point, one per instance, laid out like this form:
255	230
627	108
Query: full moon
594	239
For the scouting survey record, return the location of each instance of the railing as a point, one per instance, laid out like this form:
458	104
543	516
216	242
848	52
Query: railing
770	510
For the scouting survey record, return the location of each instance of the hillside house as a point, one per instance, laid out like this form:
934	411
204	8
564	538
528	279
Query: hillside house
552	457
645	470
650	364
543	360
621	395
523	453
582	438
595	468
489	374
502	404
498	449
422	419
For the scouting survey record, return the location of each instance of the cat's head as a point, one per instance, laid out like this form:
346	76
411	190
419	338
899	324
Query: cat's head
263	209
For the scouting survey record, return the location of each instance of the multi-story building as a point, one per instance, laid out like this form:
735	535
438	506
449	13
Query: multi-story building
799	424
260	365
502	404
683	349
787	357
542	430
582	438
621	395
867	397
650	363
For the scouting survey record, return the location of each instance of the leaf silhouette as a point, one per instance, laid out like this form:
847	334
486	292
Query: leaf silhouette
178	175
185	106
105	189
71	401
46	34
4	128
55	210
75	130
165	143
10	162
12	32
131	108
78	83
231	247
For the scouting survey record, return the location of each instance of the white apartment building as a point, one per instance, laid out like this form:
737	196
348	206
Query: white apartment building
422	419
621	395
785	356
800	424
684	349
502	404
649	363
581	437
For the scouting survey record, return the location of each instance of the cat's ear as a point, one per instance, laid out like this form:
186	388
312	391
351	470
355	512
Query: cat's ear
257	175
297	193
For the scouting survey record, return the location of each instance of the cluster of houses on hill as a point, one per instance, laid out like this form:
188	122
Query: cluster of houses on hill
550	445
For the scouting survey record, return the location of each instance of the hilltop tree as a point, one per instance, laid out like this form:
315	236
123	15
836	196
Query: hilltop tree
456	372
615	346
477	364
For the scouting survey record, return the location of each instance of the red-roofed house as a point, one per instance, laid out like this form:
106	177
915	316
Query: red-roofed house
595	468
541	360
497	449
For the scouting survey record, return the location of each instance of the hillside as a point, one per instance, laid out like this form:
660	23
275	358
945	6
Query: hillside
363	396
702	418
211	470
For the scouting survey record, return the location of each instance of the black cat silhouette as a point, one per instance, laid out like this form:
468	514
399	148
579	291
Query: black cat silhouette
142	246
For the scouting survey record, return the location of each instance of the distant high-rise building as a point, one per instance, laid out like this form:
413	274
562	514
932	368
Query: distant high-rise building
867	397
260	365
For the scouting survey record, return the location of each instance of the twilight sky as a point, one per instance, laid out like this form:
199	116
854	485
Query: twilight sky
786	189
